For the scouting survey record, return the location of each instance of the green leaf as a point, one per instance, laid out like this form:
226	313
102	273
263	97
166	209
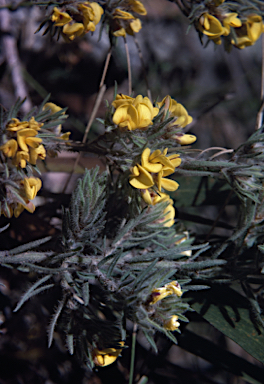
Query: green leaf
229	312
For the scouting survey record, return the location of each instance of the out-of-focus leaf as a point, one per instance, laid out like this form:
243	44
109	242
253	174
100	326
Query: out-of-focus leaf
230	313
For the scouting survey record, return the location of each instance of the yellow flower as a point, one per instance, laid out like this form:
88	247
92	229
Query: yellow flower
9	149
176	110
106	356
211	27
120	14
249	32
26	137
154	167
52	107
231	20
65	136
152	198
60	18
171	324
21	158
16	125
134	113
73	30
172	288
31	187
140	178
30	207
137	6
37	153
184	139
134	27
92	13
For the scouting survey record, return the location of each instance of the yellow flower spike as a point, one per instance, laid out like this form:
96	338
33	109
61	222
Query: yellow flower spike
16	125
26	137
141	179
60	18
119	14
9	149
31	187
37	153
21	158
211	27
138	7
172	324
184	139
148	165
73	30
106	356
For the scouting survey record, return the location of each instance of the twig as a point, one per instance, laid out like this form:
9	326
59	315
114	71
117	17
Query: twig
12	57
128	69
143	67
102	88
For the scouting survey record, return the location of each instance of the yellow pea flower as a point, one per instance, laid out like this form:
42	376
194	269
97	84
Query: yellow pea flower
211	27
140	178
137	114
231	20
21	158
91	13
26	137
158	294
249	32
73	30
176	110
60	18
31	187
120	14
184	139
30	207
138	7
106	356
9	149
16	125
122	100
172	324
37	153
52	107
134	27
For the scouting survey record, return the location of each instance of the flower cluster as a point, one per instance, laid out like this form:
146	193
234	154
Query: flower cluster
124	20
23	146
28	189
151	172
245	33
138	113
77	19
133	113
181	119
